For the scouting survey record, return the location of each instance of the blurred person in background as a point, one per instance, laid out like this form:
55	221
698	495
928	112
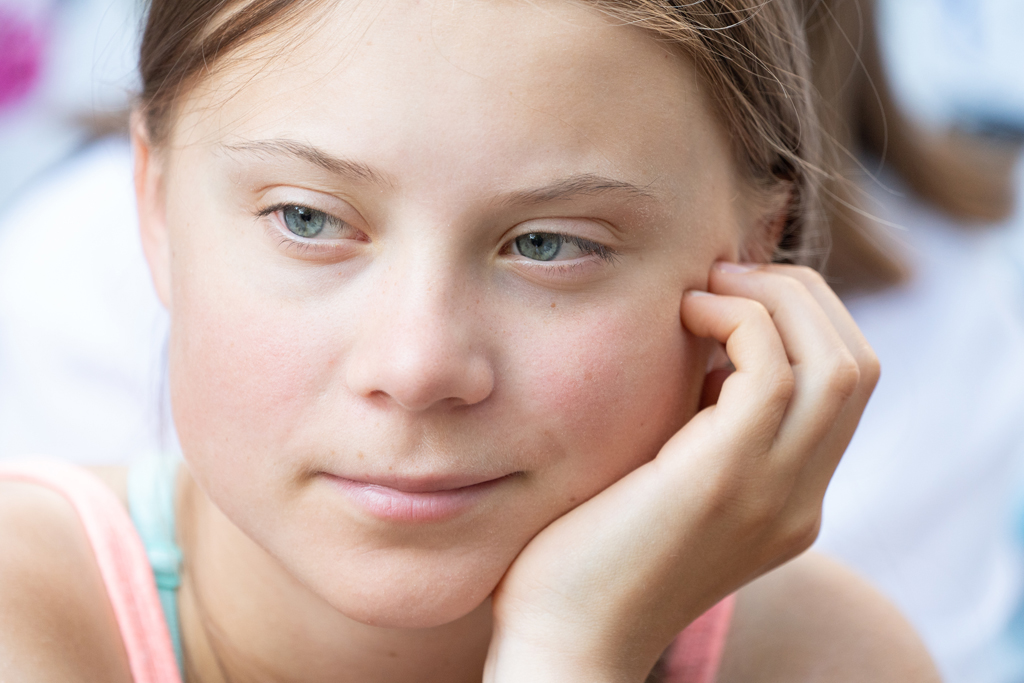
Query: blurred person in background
67	73
25	27
923	501
921	504
81	330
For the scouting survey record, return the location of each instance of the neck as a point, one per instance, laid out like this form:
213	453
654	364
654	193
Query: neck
244	617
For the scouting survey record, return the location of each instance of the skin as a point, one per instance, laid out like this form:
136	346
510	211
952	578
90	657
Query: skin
464	358
415	342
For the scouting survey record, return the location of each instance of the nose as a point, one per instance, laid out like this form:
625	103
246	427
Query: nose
421	345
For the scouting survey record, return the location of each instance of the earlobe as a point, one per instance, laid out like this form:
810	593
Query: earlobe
149	197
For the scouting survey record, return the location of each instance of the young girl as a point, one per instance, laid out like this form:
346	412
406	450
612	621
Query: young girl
446	283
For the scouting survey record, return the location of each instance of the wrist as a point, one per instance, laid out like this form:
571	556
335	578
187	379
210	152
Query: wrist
512	660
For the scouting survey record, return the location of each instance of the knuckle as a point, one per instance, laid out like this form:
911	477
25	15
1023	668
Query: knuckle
809	275
802	531
787	286
782	385
870	367
844	375
805	274
756	309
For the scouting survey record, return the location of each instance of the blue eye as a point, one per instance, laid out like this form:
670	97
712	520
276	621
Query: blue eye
540	246
303	221
552	246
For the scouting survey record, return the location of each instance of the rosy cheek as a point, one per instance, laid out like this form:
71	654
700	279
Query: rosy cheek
613	386
244	374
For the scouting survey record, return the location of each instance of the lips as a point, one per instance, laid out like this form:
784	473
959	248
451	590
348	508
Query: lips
416	499
434	484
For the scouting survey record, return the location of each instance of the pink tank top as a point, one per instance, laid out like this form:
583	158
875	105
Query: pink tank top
693	657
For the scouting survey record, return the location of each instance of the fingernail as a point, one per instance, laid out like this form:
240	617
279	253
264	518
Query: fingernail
730	267
697	292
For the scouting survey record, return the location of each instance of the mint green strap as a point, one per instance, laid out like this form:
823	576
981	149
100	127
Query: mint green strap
151	504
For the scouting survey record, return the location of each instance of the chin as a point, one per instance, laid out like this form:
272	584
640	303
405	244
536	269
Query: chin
416	597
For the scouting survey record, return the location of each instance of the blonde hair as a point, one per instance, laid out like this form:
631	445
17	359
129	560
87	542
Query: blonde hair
754	61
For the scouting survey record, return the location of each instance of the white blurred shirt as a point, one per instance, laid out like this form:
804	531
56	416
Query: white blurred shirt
924	501
956	61
81	330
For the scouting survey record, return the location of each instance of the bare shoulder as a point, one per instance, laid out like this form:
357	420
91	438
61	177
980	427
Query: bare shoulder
56	623
814	620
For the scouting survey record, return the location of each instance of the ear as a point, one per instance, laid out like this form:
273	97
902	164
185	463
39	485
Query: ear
765	225
150	200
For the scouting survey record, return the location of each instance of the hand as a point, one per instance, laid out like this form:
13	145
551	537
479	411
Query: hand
599	593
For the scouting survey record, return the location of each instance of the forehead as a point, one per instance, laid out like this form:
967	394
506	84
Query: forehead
456	88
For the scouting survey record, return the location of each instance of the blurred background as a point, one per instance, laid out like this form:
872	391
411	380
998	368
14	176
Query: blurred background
67	74
925	101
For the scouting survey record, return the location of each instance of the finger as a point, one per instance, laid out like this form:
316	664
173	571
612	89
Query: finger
826	373
812	483
831	390
755	396
846	423
841	319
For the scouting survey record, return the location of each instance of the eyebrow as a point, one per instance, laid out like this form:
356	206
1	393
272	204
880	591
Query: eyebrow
564	189
581	184
308	153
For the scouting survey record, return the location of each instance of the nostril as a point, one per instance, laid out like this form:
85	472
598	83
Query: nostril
418	378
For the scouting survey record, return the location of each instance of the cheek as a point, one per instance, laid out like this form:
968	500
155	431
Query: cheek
246	371
611	386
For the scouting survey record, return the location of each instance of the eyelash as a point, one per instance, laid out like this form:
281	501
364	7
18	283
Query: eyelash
288	205
305	245
296	243
587	246
568	269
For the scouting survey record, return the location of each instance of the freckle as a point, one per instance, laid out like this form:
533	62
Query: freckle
552	304
572	499
359	455
390	468
392	653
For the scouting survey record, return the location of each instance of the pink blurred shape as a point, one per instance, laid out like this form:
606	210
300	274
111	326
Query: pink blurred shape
21	57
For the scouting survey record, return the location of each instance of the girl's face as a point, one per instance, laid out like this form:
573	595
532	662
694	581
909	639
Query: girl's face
424	264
